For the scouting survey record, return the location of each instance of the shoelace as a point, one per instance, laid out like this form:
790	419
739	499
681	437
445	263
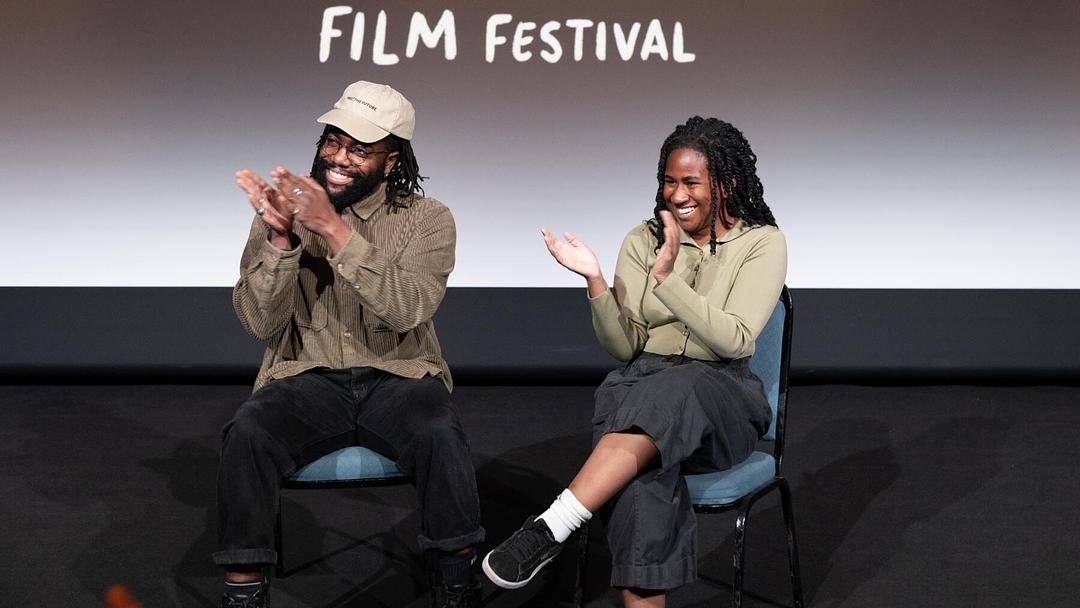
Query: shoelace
460	596
457	597
527	543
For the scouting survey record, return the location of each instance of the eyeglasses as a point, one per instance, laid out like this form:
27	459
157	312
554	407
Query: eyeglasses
356	153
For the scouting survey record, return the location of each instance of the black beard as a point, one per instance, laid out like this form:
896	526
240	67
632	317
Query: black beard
362	185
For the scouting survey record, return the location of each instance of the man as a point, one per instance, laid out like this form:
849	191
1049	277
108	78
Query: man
341	274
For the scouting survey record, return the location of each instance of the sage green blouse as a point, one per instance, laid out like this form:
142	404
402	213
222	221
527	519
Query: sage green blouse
710	307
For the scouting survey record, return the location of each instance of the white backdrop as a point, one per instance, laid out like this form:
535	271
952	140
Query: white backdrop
901	144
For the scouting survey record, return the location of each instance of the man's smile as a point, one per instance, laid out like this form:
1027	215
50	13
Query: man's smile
338	178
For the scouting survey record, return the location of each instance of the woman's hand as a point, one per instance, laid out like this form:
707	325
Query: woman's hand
573	255
665	258
577	257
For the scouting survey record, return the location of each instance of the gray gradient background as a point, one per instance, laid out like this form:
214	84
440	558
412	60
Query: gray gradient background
902	144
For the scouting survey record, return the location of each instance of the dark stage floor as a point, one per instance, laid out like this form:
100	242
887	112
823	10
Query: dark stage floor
905	496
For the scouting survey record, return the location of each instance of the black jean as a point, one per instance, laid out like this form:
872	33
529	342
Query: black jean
293	421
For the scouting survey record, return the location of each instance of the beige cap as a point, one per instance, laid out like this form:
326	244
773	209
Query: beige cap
369	112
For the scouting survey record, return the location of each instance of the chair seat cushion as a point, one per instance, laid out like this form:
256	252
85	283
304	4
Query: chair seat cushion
348	464
725	487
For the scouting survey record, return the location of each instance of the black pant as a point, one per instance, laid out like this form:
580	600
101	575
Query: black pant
293	421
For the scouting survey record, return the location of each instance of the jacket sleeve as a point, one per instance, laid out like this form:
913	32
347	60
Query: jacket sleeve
730	330
406	289
265	294
616	314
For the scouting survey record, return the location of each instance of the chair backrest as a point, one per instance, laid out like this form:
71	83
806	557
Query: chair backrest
770	361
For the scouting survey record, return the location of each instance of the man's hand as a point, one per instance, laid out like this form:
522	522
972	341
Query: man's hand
269	205
665	258
309	204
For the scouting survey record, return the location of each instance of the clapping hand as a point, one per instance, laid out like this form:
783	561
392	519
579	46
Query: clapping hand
269	204
665	258
307	200
573	254
310	204
296	199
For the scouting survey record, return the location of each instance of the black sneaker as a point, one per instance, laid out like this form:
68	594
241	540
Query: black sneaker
517	560
245	596
457	596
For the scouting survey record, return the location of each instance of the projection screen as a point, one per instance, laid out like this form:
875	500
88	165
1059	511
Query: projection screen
908	144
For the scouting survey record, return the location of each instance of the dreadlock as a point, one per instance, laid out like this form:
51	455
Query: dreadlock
404	178
732	164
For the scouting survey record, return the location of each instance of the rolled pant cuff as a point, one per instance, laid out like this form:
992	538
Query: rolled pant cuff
245	557
668	575
456	543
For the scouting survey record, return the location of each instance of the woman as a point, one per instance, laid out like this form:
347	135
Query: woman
694	286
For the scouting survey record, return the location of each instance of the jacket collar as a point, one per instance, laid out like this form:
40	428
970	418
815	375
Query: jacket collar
365	207
740	228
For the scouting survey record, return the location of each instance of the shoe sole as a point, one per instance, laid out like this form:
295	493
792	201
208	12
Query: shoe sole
510	584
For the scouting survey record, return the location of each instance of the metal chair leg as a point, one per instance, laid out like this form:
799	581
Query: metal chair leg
740	553
279	546
793	550
582	557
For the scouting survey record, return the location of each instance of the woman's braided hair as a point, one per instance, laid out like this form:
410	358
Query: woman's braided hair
731	163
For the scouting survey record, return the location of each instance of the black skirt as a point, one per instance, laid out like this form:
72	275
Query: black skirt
702	416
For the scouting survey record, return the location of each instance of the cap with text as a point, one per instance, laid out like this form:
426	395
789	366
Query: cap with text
369	112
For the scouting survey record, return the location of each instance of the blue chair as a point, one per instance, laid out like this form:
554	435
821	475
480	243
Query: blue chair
349	467
742	485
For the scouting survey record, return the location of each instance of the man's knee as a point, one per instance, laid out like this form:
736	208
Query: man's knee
427	394
430	412
247	427
440	429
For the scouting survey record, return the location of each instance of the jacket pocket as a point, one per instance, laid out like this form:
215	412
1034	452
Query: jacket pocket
311	298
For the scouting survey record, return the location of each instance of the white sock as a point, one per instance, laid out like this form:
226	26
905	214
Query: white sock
565	515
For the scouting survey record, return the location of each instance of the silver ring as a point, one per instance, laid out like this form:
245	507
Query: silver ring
261	210
297	191
295	210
